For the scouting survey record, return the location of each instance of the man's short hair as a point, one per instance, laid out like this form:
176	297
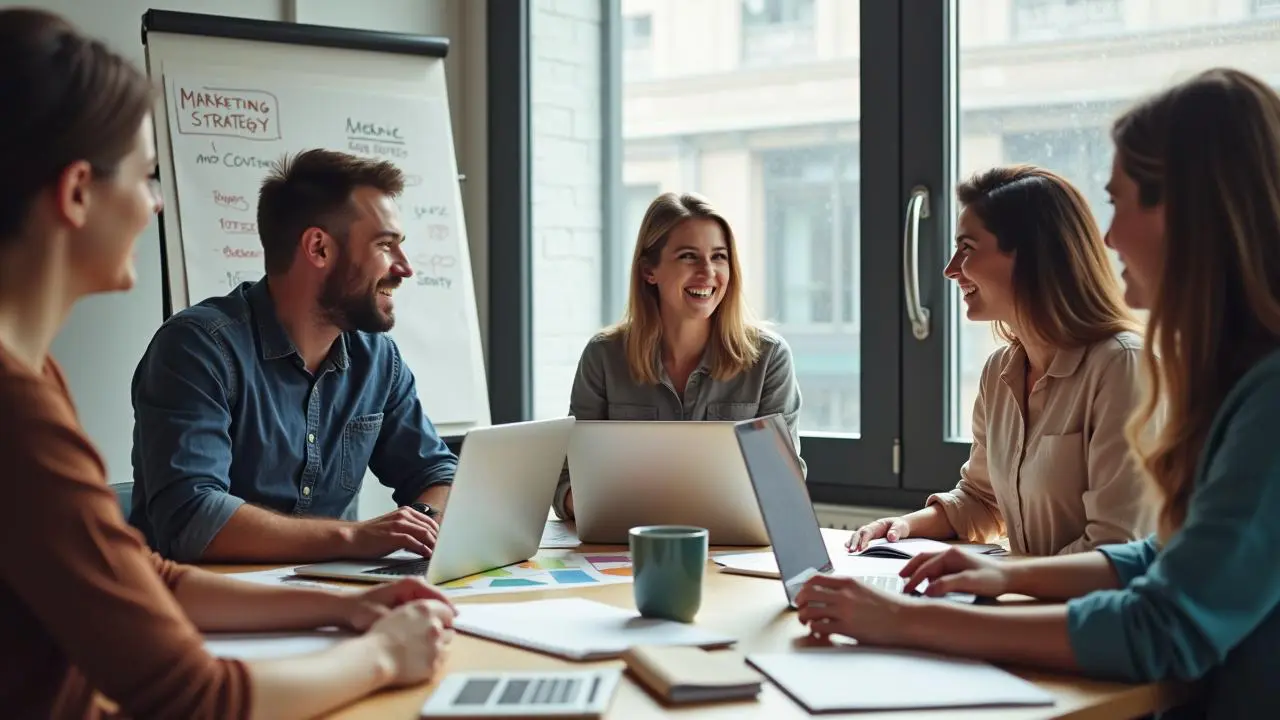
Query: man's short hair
313	189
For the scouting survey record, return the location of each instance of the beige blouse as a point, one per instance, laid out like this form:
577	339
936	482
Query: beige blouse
1067	482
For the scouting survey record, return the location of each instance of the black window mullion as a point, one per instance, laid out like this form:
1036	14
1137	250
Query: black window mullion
861	470
930	459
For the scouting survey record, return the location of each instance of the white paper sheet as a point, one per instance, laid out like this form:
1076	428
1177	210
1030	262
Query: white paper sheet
763	564
578	629
559	534
849	678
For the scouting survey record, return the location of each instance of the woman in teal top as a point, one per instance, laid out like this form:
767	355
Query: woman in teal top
1196	189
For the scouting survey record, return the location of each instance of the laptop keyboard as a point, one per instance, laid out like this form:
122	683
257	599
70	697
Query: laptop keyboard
412	567
888	583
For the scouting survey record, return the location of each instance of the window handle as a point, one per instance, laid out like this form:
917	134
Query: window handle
917	209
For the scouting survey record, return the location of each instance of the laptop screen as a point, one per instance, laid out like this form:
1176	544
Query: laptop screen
784	499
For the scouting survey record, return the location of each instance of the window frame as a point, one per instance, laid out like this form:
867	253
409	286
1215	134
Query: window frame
510	316
903	95
863	470
931	459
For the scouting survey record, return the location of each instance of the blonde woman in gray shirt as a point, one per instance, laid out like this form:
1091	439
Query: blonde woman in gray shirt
1049	466
687	347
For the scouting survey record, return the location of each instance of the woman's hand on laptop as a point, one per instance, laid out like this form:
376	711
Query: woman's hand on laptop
955	570
413	640
401	529
832	605
369	606
892	529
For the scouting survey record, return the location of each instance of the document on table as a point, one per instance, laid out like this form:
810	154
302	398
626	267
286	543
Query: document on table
763	564
850	678
577	628
559	534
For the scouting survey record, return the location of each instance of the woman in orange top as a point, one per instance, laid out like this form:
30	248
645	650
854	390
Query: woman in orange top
89	613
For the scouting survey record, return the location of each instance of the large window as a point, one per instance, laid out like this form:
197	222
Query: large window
812	281
776	31
1051	19
637	46
1054	108
778	154
811	124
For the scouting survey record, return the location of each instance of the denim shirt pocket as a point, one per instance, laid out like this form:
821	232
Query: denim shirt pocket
732	410
632	411
358	439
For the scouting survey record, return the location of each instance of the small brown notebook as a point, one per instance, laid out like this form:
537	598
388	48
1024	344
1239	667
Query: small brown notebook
681	674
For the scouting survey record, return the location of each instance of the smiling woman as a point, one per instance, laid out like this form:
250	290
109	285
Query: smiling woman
687	347
1049	468
68	225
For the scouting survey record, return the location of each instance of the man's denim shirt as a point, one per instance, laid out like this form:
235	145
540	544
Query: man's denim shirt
225	413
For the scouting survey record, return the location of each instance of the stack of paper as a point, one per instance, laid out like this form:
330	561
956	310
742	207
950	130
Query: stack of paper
850	678
577	629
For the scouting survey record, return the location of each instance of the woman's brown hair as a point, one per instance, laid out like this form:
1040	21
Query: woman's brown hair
1065	291
735	337
1208	150
64	97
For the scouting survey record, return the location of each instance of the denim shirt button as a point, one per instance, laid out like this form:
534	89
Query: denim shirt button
311	437
306	490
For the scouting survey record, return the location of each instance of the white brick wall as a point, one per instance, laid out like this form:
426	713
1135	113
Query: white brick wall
565	116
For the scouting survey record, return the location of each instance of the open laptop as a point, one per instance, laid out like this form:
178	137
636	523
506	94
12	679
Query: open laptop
502	492
656	472
783	498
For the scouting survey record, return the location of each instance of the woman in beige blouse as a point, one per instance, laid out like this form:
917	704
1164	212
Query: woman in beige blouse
1049	467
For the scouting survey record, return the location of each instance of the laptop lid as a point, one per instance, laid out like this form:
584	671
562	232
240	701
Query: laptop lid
501	497
783	497
497	508
661	472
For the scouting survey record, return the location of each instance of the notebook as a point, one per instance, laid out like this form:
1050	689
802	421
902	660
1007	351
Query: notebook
540	694
850	678
577	628
680	674
908	548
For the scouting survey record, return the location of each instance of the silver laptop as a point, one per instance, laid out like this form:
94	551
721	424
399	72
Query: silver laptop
783	497
498	506
647	472
779	487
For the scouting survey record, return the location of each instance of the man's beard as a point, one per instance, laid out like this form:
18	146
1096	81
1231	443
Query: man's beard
350	307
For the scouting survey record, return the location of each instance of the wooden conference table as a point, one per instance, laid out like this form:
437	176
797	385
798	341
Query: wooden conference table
755	611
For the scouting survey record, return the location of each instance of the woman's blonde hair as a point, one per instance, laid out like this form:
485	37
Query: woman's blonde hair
735	336
1065	292
1209	150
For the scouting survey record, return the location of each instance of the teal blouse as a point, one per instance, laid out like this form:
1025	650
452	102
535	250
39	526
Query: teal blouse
1204	606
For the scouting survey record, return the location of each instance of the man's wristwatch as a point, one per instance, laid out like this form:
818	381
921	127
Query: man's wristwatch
425	509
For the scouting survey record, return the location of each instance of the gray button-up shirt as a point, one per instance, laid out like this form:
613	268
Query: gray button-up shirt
603	389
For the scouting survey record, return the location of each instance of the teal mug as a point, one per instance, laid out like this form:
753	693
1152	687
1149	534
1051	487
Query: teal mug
667	565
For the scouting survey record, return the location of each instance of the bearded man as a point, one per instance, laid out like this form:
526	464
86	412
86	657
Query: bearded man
257	413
